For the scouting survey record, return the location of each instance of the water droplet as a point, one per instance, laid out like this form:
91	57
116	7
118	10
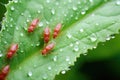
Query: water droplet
108	38
32	44
55	58
77	42
45	76
35	65
48	1
70	1
118	3
93	38
71	44
49	68
67	58
76	48
74	8
1	54
17	28
15	1
53	11
83	12
22	14
37	44
39	11
63	72
21	34
97	24
69	35
29	73
91	1
81	30
28	20
40	24
12	8
61	50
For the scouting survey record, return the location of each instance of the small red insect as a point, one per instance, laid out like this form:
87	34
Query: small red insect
4	72
57	30
46	34
12	50
48	48
33	25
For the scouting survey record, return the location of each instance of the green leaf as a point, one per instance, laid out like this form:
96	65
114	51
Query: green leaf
85	24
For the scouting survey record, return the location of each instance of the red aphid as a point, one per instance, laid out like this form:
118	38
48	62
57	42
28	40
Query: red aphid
33	25
48	48
57	30
46	34
4	72
12	50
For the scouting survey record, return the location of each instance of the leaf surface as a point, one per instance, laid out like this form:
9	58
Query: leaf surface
85	23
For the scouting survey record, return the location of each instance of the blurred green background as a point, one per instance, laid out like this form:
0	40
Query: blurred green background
102	63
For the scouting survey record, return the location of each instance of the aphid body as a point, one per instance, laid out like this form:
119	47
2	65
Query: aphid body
4	72
46	35
48	48
57	30
33	25
12	50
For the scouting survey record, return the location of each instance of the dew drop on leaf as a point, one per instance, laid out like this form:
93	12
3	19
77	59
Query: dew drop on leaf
76	48
91	1
1	54
38	11
118	3
49	68
53	11
69	35
83	12
61	50
48	1
71	44
63	72
74	8
29	74
12	8
45	76
55	58
67	58
81	30
15	1
40	24
93	38
21	34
